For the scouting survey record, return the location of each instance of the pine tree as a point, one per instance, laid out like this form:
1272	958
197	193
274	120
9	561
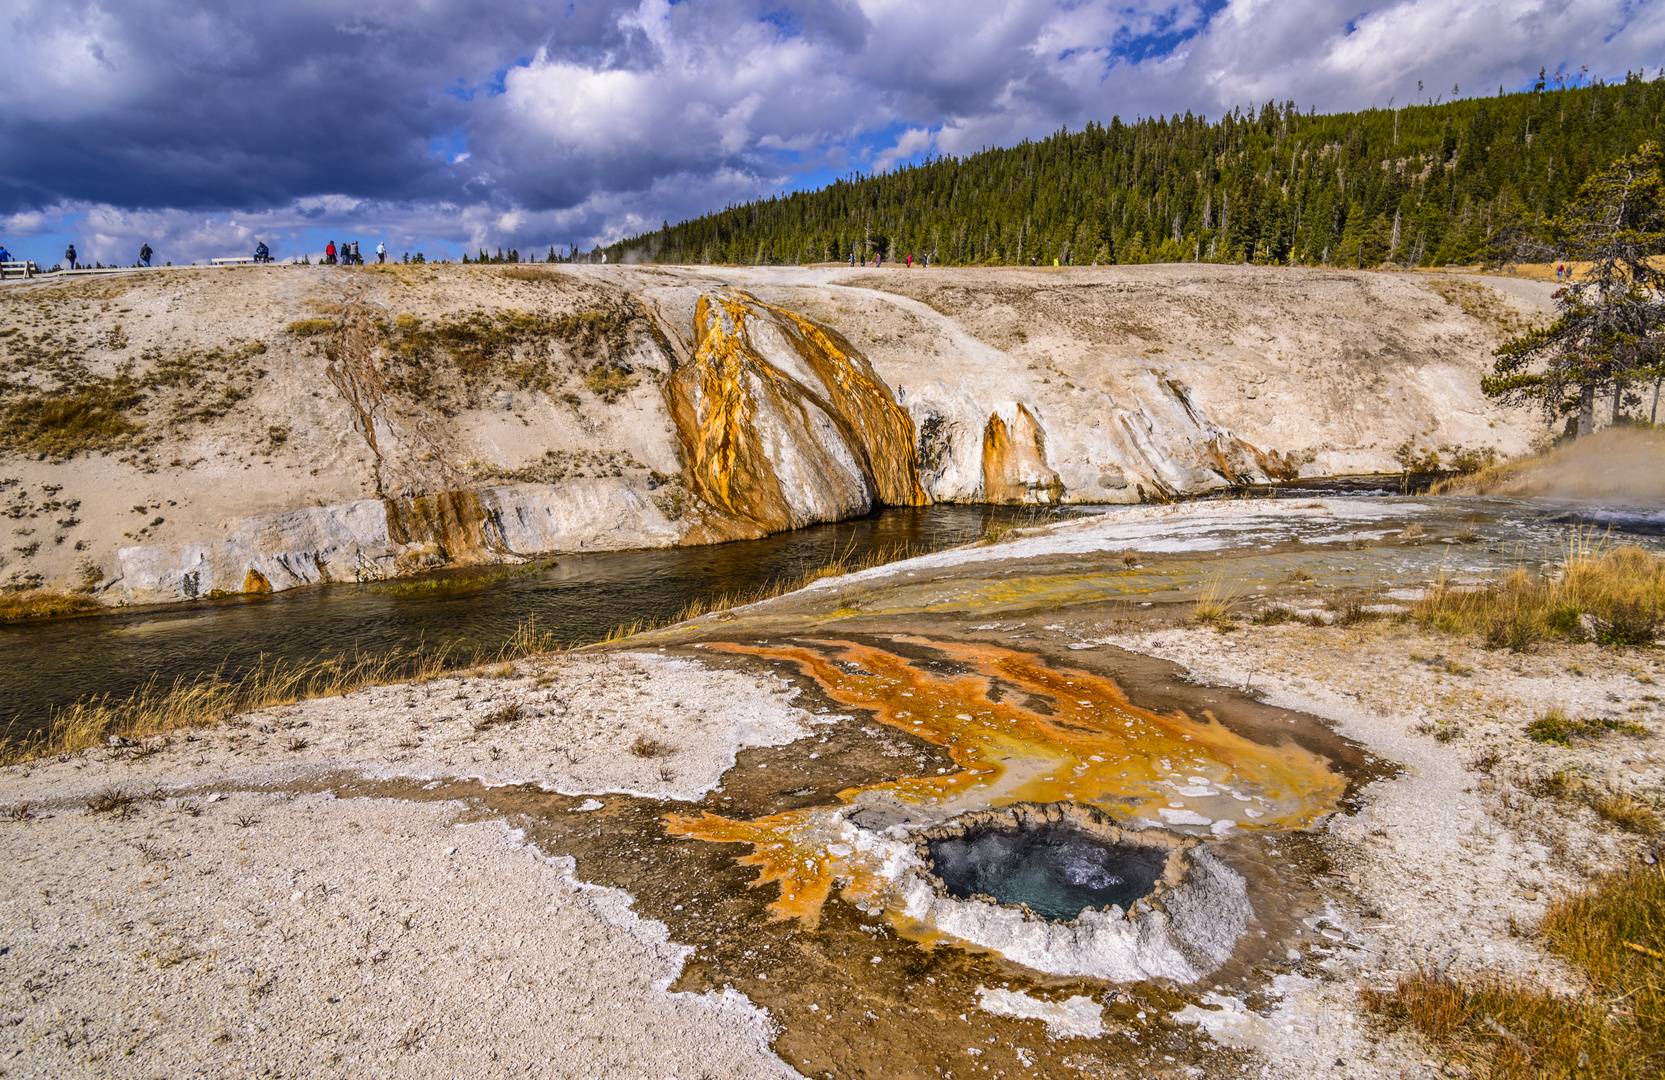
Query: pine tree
1274	186
1609	330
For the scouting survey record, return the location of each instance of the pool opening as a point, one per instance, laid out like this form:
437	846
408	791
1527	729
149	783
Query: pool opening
1055	868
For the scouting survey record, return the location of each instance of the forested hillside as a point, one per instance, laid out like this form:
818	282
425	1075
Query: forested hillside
1428	184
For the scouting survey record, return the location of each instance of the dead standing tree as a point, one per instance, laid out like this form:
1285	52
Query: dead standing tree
1609	329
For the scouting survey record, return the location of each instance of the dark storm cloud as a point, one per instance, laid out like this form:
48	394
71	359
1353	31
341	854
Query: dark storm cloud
232	104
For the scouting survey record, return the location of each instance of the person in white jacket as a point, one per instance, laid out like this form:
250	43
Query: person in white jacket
381	252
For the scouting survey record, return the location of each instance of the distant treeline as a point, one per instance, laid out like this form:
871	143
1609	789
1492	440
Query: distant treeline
1428	184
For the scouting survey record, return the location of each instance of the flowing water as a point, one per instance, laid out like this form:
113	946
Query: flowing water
578	598
582	598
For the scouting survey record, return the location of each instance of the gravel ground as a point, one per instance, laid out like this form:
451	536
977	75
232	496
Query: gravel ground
205	929
235	919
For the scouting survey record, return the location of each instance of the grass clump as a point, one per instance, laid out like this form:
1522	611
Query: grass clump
1555	726
28	604
1621	590
1503	1029
608	381
60	425
1627	812
155	708
644	747
1213	607
311	327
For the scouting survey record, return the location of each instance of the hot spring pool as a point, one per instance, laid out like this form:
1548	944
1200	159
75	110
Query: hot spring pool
1055	869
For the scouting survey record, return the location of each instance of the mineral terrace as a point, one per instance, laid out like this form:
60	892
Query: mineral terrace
187	433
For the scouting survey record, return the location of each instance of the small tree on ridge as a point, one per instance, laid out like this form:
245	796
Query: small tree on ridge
1609	329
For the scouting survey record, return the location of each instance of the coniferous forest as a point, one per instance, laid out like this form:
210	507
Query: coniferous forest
1430	184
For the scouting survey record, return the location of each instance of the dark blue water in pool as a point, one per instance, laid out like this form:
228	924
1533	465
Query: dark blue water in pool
1057	870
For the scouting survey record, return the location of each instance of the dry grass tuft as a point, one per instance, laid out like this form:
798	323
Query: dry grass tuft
44	604
508	714
1213	607
110	801
1502	1029
154	708
1622	590
1627	812
645	747
531	273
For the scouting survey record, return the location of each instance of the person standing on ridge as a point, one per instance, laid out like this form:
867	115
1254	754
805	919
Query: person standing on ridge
381	252
69	257
358	260
329	253
144	255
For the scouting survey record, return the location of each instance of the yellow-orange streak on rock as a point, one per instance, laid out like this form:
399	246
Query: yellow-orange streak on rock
455	521
724	399
1095	746
789	848
1014	461
883	428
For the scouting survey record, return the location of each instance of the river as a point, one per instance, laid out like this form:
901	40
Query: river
577	598
581	599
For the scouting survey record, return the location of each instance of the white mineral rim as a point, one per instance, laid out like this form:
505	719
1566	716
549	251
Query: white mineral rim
1182	935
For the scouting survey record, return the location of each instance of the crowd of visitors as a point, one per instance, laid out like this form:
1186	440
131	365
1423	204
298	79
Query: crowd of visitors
347	254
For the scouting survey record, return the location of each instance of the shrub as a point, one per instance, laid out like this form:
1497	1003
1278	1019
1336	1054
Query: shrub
1615	1030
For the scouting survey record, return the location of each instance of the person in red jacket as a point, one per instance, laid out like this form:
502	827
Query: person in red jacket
329	253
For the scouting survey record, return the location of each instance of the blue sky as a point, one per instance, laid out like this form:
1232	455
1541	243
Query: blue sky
200	126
